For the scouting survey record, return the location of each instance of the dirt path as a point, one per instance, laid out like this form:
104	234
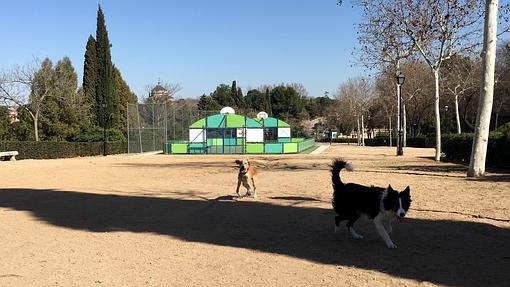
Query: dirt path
171	221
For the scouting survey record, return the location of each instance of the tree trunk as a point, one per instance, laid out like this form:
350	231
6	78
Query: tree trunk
496	118
457	117
36	130
389	130
483	116
438	118
357	131
404	124
362	131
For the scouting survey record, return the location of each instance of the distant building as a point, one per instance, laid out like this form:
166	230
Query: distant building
159	94
12	115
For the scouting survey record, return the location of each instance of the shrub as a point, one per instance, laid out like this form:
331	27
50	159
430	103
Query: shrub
457	148
96	134
47	150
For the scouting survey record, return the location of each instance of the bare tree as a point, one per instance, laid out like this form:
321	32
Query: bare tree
162	92
355	94
460	77
28	87
381	43
481	136
416	94
502	80
385	99
437	29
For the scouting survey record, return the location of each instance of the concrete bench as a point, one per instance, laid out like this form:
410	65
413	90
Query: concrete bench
8	155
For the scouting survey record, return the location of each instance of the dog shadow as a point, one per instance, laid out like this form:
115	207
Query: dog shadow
448	252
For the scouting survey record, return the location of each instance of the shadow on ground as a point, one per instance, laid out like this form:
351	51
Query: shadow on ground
456	253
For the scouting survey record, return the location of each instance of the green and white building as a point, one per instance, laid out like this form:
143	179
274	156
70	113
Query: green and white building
228	133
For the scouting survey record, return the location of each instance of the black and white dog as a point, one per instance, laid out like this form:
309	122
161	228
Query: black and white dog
382	205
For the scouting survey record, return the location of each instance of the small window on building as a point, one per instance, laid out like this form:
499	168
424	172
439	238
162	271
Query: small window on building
271	134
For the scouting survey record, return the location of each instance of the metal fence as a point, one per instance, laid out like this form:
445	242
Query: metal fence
150	125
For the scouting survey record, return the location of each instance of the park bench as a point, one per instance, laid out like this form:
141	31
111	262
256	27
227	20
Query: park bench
8	155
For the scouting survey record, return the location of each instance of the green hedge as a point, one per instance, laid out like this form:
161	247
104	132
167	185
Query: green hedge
420	141
457	148
47	149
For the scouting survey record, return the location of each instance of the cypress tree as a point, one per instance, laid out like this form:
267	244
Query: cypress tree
90	69
234	99
241	103
269	107
125	96
105	82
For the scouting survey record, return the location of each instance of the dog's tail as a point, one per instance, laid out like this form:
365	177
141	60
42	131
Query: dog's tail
336	167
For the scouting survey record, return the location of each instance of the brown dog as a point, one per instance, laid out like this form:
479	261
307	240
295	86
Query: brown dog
247	176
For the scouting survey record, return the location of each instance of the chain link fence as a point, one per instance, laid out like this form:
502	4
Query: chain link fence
150	125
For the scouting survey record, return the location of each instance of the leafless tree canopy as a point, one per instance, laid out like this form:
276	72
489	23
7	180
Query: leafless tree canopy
171	90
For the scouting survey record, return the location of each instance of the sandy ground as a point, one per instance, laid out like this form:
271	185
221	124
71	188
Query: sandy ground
159	220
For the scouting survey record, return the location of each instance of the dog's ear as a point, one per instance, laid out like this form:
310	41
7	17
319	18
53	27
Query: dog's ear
407	191
238	161
389	187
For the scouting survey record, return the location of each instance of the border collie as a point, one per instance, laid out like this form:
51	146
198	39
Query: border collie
382	205
247	176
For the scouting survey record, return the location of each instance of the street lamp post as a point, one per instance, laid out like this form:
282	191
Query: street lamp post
400	82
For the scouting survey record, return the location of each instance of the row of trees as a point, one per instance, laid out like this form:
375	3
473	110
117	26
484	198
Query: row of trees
394	31
290	102
374	99
52	107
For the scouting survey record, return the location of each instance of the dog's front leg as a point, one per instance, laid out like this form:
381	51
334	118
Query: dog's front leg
238	185
254	188
388	227
379	226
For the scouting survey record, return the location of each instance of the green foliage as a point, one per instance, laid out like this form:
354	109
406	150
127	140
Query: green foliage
48	150
316	107
64	113
457	148
286	103
96	134
268	104
222	96
90	70
125	96
255	100
207	103
105	89
236	96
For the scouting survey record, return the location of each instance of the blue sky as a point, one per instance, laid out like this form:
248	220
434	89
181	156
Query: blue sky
198	44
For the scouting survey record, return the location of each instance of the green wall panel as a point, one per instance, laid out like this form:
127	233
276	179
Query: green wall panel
216	121
235	121
253	123
231	141
270	122
198	124
274	148
211	142
284	140
254	148
179	148
290	147
283	124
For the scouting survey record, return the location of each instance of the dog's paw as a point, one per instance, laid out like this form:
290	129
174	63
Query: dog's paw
391	245
358	236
